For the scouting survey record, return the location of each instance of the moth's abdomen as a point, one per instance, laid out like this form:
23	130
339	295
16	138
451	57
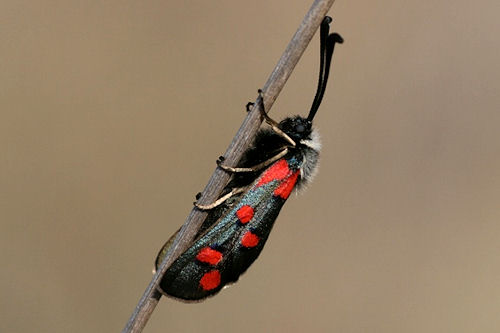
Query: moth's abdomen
227	249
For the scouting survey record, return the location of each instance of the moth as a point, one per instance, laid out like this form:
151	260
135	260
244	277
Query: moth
282	158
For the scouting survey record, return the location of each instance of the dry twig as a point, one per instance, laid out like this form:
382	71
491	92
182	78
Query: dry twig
239	144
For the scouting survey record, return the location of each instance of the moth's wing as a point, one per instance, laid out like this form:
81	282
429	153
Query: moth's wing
212	218
228	248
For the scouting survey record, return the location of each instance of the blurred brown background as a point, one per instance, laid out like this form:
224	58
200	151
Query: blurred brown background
113	114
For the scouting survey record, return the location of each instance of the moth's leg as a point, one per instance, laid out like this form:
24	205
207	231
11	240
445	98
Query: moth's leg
256	167
271	122
221	200
249	106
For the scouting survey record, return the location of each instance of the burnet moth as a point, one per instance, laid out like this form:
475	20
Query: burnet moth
282	158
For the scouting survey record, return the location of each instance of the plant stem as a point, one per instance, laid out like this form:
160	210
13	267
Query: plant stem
234	152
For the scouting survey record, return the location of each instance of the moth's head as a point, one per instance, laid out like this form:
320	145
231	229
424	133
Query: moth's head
297	128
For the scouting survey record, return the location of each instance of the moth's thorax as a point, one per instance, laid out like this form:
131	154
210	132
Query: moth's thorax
309	149
308	145
313	141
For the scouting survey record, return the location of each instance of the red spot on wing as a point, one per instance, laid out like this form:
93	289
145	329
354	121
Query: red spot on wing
278	171
210	280
209	256
249	239
286	187
245	214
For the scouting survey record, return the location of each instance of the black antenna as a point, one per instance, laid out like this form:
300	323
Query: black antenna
327	44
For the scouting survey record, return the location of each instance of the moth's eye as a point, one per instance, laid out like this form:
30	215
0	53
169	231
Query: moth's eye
300	128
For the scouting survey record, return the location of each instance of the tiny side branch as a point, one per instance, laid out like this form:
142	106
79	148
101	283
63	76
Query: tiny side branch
238	145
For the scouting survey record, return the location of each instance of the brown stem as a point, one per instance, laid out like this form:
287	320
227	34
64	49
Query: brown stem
238	145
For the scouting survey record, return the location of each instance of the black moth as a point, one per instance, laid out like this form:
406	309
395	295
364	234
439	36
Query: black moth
238	223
